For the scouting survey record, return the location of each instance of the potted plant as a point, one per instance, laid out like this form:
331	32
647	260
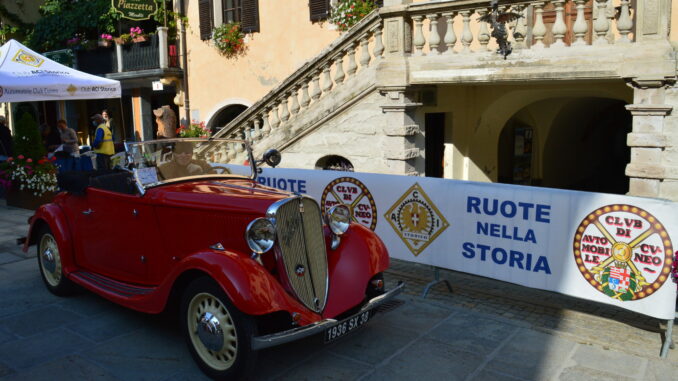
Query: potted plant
30	177
138	34
193	130
349	12
105	40
229	39
123	39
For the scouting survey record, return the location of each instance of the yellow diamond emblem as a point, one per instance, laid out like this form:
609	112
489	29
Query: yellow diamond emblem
71	89
416	220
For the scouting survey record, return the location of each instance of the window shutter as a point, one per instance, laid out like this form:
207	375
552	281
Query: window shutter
250	16
205	18
319	9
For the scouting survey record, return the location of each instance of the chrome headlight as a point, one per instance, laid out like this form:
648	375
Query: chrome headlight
338	219
260	235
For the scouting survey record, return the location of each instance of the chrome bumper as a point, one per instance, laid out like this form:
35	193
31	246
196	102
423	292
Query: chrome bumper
279	338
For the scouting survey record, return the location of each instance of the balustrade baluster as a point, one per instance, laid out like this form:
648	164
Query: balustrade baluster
266	128
450	38
352	66
284	106
580	26
434	36
539	29
294	108
256	134
602	25
232	150
559	28
327	81
315	92
483	32
378	42
624	24
339	72
305	99
239	147
466	35
364	52
520	27
418	40
275	119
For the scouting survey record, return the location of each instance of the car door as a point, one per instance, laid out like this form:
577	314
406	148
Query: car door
117	236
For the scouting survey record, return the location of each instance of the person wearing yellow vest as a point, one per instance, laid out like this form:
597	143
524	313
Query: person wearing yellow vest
103	143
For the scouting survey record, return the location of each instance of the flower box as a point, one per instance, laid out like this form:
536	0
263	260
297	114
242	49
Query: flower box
105	43
26	199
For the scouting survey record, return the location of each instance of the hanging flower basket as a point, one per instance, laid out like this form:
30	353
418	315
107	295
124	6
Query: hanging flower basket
140	38
229	40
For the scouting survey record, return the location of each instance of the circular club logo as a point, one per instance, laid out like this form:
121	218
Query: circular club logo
354	194
623	251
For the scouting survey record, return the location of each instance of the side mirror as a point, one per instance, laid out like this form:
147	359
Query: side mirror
272	157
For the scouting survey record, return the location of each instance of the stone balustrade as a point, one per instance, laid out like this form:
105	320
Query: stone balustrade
276	112
454	27
430	29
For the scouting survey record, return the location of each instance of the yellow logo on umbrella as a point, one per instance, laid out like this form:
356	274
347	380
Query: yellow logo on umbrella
23	57
71	89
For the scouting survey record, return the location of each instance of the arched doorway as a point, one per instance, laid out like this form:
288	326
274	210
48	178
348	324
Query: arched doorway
583	147
334	163
225	116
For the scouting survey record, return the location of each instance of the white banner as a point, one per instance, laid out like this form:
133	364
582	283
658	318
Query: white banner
28	76
606	248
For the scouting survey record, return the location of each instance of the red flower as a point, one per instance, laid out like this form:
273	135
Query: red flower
29	160
53	158
10	158
20	157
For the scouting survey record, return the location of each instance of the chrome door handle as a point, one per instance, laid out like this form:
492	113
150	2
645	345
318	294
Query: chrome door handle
87	212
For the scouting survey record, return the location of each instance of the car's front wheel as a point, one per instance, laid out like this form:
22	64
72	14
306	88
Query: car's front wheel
218	335
51	268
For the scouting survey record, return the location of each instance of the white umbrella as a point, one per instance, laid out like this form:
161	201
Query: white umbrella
28	76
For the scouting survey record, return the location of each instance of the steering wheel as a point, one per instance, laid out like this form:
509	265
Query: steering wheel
220	169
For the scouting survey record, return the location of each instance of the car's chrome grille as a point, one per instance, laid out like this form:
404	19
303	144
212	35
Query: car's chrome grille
302	249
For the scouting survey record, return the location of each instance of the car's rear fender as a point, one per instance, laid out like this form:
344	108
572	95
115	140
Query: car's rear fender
251	288
52	215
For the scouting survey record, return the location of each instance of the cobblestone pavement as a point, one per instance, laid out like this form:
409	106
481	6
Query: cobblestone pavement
483	330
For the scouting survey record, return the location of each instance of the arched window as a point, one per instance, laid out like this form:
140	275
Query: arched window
334	163
225	116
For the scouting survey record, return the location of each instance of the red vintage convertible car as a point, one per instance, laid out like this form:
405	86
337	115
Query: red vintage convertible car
249	266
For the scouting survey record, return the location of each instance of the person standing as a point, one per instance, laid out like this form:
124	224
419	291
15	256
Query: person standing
103	143
6	144
69	138
109	121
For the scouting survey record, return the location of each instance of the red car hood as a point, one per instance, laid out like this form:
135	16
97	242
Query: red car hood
234	195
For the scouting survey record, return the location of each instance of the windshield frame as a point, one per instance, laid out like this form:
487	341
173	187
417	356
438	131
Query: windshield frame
130	163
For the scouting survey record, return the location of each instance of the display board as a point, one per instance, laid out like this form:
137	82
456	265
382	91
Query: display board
607	248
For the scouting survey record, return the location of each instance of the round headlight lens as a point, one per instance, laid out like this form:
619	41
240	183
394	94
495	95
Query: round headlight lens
260	235
338	219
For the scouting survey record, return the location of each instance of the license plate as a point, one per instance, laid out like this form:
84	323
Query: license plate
347	325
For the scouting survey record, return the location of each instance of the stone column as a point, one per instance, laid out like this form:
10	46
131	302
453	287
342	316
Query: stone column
653	169
402	145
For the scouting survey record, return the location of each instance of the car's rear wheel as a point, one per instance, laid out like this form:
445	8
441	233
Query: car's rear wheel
218	334
51	267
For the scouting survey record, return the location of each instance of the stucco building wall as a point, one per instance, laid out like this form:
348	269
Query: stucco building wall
287	38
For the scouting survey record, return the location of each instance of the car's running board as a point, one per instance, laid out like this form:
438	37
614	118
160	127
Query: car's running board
110	285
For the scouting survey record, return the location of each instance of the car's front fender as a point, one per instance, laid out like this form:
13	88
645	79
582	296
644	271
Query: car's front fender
251	288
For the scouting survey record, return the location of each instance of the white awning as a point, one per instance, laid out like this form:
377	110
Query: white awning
28	76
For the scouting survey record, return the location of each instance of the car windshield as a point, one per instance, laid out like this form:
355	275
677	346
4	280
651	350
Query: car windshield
157	162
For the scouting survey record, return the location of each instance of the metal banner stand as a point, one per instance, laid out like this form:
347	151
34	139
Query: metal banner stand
436	281
668	338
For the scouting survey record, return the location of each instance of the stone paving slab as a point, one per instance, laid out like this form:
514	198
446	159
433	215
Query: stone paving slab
484	330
